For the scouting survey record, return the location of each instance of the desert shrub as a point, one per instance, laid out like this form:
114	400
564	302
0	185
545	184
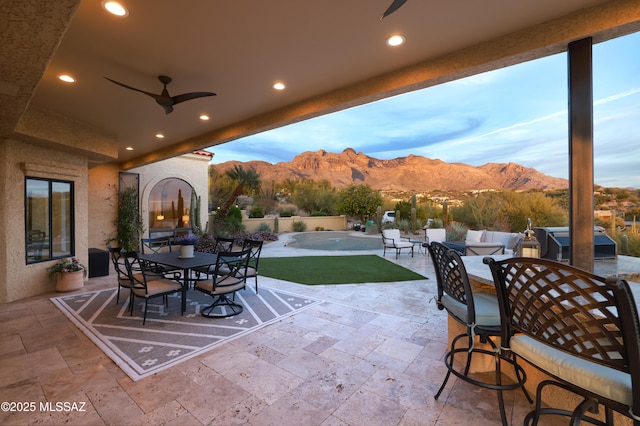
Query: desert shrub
286	213
263	227
390	225
299	226
256	212
436	223
319	213
206	243
632	245
257	235
404	225
231	225
372	229
319	228
457	232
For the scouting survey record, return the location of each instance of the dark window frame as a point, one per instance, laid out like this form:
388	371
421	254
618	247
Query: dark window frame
50	220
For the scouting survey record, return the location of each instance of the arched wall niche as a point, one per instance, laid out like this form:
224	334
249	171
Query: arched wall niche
170	205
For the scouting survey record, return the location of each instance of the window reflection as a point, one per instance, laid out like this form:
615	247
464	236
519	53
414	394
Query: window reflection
170	205
48	219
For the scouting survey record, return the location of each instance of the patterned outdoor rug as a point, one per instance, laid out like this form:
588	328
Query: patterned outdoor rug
168	338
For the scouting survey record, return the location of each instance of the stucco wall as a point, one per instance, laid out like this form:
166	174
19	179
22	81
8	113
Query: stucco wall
19	280
103	204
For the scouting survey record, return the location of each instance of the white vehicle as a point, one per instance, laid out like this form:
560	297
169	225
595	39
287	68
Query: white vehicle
389	217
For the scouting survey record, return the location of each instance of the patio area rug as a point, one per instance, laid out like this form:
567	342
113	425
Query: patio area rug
168	338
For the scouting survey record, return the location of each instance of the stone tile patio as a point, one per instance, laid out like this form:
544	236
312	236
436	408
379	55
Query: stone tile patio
371	354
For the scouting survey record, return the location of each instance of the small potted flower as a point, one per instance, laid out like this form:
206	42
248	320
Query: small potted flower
69	274
187	243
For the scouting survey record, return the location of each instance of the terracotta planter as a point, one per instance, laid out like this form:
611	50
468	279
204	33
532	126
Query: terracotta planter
69	281
186	251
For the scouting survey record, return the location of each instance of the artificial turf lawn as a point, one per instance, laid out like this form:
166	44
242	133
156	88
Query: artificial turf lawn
314	270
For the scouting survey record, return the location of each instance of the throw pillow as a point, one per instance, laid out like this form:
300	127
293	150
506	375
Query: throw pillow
474	236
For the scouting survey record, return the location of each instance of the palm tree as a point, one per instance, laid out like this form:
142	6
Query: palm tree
246	180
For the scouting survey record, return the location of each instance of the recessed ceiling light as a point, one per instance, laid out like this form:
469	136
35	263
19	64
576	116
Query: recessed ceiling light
66	78
129	148
204	117
395	40
115	8
159	136
279	86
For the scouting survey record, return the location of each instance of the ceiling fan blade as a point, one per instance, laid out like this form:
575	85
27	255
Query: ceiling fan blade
188	96
394	6
153	95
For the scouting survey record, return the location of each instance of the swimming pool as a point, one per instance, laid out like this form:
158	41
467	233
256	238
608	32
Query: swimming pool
335	240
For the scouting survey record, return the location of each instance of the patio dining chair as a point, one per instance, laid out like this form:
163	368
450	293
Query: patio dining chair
580	329
222	244
254	258
157	245
480	315
228	276
148	284
119	266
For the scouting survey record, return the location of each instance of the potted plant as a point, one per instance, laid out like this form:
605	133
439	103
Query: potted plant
187	243
69	274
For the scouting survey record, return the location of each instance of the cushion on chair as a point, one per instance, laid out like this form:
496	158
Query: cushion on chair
436	234
474	236
158	286
228	285
486	304
402	244
392	238
596	378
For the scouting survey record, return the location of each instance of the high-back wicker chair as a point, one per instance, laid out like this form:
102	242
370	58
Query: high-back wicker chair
580	329
480	315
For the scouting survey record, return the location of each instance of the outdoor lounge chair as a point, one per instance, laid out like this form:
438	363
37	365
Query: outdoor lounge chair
391	239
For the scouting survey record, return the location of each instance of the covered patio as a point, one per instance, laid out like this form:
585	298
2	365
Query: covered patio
369	355
88	132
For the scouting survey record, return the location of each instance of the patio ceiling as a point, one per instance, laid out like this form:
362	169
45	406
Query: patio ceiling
331	55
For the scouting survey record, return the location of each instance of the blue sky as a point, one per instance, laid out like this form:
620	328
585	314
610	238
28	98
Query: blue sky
516	114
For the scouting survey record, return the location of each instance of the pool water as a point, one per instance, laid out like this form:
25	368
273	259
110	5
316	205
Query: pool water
335	240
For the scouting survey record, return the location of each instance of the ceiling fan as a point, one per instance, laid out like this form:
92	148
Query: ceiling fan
394	6
165	100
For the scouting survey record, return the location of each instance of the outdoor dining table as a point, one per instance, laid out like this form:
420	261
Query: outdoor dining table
174	260
481	278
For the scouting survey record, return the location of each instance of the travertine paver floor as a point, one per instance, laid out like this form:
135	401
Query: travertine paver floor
370	355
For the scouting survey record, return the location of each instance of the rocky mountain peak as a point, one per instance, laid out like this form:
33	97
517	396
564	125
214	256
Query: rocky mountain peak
413	173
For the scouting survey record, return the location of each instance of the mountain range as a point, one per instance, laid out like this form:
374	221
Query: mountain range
412	173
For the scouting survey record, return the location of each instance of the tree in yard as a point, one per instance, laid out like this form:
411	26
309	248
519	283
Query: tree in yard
245	180
220	188
359	201
314	196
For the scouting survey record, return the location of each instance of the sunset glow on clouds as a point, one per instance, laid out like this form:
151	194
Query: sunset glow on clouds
516	114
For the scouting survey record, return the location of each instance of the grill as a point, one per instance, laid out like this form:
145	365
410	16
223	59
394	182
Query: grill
554	243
